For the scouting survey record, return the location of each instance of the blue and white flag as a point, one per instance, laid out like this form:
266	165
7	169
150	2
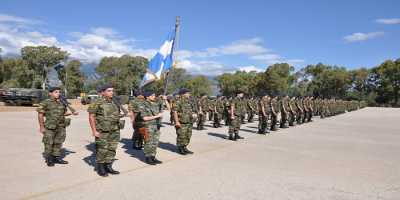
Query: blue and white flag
161	62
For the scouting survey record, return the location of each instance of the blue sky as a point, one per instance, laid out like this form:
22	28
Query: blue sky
216	36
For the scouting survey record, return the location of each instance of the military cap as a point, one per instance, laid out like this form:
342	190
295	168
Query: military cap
183	91
148	93
52	89
104	87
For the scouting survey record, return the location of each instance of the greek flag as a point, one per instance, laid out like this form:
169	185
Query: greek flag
161	62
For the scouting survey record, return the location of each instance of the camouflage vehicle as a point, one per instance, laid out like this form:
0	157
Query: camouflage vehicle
23	96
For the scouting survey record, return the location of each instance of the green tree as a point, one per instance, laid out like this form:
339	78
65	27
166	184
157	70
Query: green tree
125	72
41	59
15	73
199	85
72	78
277	79
385	79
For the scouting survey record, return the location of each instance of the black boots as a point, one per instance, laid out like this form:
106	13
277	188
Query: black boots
237	136
50	161
231	136
181	150
187	151
59	160
152	160
101	170
109	169
155	160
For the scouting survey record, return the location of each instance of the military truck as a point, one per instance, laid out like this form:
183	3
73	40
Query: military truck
23	96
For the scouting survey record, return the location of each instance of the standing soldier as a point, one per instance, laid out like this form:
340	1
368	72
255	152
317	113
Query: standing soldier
264	113
105	123
300	110
184	115
251	108
151	115
134	108
218	111
292	111
310	103
202	108
235	110
274	113
52	124
284	112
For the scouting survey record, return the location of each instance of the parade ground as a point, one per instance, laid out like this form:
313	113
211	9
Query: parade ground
350	156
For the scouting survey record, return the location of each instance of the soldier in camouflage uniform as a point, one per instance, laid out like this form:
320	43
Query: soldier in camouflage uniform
264	114
134	108
151	115
284	112
300	110
52	123
218	111
292	111
184	115
251	109
235	112
202	111
275	111
105	123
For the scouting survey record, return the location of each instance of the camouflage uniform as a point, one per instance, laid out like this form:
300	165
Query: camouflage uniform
234	124
203	109
251	108
300	111
152	126
218	113
274	113
107	117
284	112
135	106
292	111
55	123
264	114
184	109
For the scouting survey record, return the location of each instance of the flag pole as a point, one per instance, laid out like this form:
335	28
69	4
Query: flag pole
174	48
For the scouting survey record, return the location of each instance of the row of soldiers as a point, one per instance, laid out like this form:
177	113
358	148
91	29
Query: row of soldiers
146	112
272	110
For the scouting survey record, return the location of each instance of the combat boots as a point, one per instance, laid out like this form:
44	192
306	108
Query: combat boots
231	137
237	136
149	160
101	171
187	151
181	150
155	160
50	161
109	169
59	160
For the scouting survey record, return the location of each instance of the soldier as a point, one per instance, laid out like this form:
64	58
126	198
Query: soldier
264	113
310	102
134	108
274	113
211	106
52	124
300	111
151	115
184	115
292	111
284	112
218	111
202	108
235	112
251	108
105	123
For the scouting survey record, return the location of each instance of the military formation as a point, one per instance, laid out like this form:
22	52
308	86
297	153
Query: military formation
145	112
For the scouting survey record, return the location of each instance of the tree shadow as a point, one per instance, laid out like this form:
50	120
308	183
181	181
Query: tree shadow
167	146
91	159
218	135
127	146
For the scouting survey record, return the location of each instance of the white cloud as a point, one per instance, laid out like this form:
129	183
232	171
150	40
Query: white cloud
99	42
19	20
251	68
356	37
388	21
